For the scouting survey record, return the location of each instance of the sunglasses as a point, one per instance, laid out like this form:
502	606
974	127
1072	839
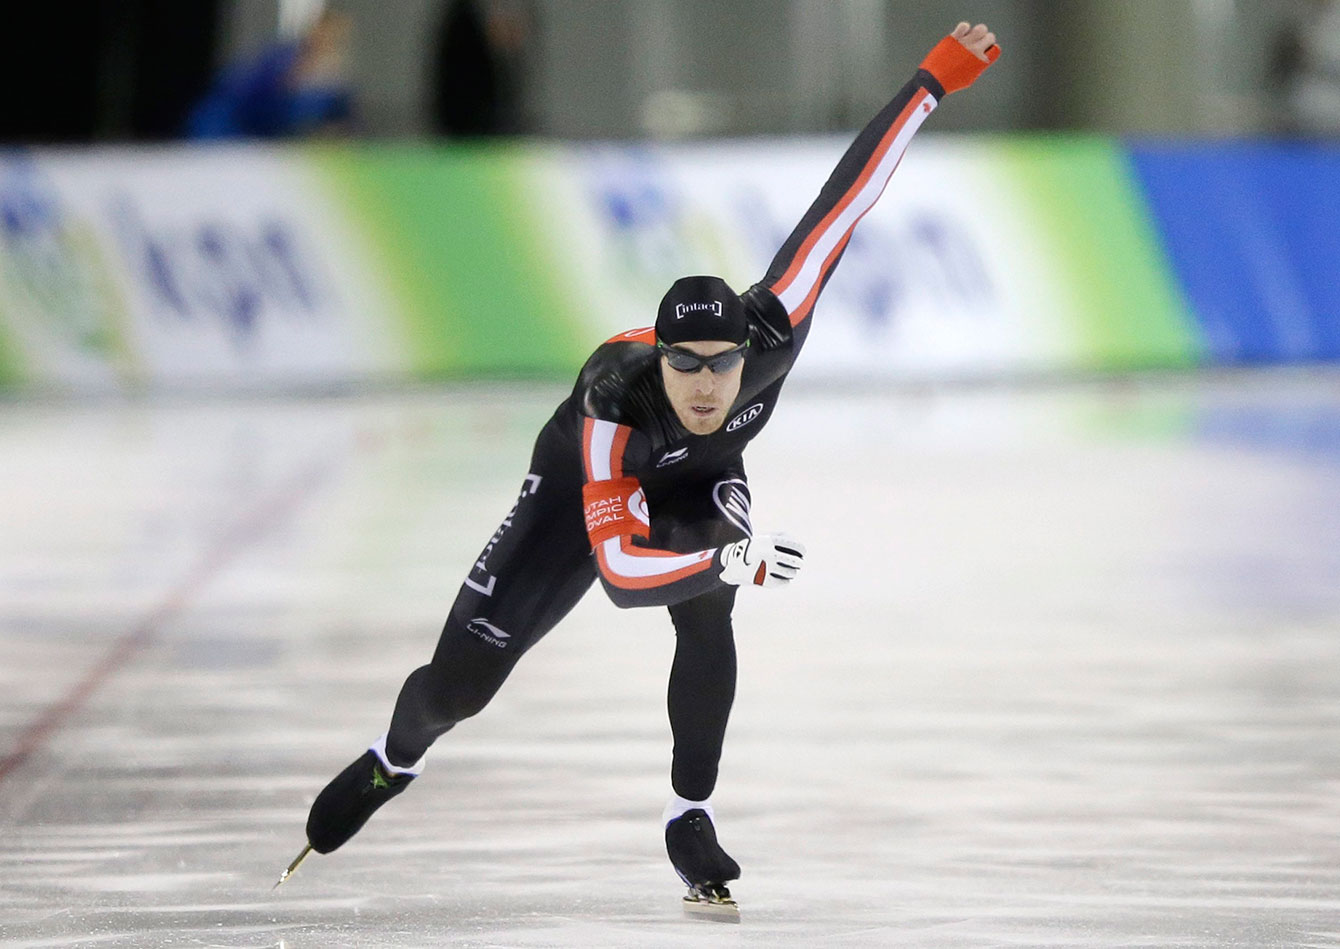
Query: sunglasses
681	360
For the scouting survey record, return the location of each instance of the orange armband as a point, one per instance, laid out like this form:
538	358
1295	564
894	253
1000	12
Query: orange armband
951	63
615	508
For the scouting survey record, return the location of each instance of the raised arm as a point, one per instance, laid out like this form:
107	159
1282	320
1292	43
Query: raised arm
807	258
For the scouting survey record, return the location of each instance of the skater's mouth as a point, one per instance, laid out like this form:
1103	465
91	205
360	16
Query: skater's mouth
702	411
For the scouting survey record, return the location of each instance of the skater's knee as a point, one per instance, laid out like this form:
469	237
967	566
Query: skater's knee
466	699
707	616
461	685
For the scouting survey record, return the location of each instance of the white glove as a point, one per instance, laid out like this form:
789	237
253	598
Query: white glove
766	560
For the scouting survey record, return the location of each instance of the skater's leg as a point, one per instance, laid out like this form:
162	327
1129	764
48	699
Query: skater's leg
702	677
463	676
702	689
532	572
472	660
476	653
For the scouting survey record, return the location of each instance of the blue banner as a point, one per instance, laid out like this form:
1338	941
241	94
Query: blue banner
1252	230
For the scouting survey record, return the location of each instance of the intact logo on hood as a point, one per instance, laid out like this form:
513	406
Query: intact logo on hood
684	309
745	417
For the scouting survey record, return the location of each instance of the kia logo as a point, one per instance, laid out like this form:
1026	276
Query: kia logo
745	417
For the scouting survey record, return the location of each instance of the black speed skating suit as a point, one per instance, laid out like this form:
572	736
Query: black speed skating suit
619	490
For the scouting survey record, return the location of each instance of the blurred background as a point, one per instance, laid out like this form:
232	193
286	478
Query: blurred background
628	69
263	194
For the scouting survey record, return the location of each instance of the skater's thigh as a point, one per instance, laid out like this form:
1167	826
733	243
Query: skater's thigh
531	573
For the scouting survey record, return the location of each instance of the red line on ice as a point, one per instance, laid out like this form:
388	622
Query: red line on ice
244	532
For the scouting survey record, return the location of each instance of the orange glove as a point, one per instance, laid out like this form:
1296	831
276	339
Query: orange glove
954	65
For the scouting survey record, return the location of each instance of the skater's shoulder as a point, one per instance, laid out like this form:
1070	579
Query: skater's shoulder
623	355
617	379
769	323
646	335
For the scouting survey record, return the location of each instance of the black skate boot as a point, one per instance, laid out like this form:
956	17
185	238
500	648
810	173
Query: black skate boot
691	842
346	803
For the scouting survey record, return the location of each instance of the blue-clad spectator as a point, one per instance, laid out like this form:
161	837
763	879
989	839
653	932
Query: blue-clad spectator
292	88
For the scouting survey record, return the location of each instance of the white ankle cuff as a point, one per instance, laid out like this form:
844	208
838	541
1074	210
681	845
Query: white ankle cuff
678	806
379	749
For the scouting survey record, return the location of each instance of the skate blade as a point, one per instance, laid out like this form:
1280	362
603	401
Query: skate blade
297	862
722	909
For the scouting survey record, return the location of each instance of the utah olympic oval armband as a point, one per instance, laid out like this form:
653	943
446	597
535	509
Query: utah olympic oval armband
615	508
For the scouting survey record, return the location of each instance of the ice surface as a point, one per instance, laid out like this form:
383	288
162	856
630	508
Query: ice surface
1063	669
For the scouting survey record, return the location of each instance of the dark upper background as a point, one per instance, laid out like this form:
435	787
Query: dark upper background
103	71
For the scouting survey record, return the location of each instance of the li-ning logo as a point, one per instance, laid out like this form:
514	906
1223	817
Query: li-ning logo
745	417
684	309
488	632
670	457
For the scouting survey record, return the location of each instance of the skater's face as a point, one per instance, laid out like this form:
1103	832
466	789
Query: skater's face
701	396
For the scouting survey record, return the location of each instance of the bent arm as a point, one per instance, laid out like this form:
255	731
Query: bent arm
617	519
807	259
641	576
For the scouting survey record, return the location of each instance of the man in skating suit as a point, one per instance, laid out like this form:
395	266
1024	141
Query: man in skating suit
638	480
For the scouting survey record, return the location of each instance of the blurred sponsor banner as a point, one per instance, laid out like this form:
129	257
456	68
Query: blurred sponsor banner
248	267
468	256
182	268
1253	233
983	257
